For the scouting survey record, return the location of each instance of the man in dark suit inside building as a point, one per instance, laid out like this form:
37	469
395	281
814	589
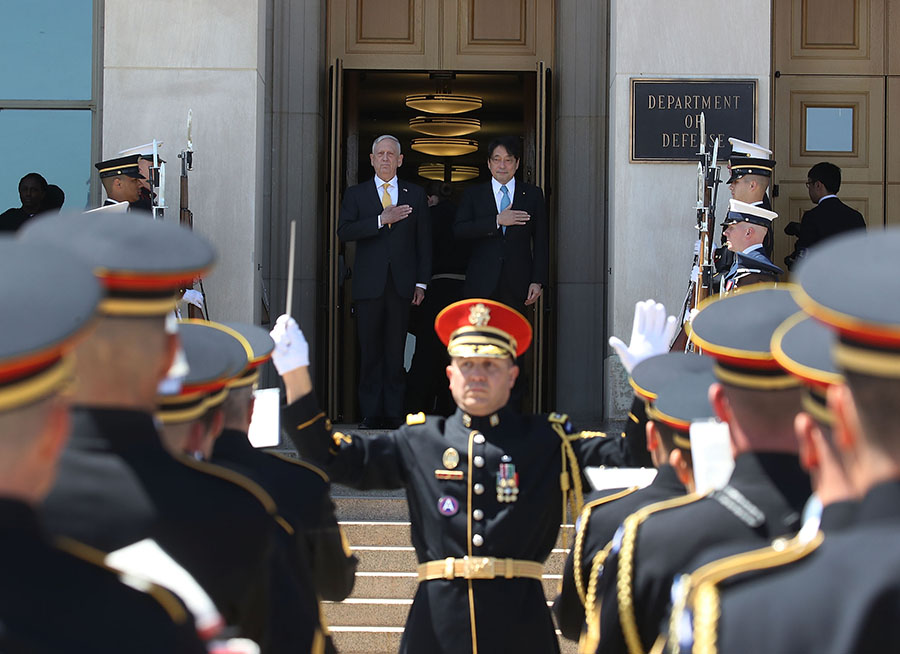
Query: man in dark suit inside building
830	216
507	221
388	219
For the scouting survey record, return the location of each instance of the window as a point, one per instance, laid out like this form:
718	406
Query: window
48	97
829	129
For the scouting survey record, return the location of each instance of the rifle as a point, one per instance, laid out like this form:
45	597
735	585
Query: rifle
185	215
702	270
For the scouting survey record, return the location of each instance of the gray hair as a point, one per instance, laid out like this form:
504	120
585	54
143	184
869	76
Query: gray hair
386	137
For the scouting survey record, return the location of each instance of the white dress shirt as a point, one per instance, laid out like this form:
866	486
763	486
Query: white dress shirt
393	190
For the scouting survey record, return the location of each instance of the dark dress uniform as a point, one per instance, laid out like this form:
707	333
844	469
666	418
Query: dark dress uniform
762	501
454	470
62	599
682	380
117	485
603	512
749	268
835	591
302	493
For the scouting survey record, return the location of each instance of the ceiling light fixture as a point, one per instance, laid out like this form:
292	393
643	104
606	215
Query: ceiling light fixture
445	147
443	103
444	125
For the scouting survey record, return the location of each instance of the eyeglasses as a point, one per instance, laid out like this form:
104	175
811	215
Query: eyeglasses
811	183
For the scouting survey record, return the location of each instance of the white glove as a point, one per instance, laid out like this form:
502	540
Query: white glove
697	248
193	297
651	334
291	349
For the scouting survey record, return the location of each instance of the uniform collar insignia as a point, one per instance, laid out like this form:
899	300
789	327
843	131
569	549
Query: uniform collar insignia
493	420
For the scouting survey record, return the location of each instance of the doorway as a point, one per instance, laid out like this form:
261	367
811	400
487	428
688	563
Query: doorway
365	104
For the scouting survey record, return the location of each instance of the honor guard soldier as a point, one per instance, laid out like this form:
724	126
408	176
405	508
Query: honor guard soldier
190	410
301	490
750	168
834	591
683	380
744	228
762	500
486	487
121	178
117	484
56	594
802	346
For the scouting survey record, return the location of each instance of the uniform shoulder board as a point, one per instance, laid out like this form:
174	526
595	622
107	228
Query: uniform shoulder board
415	418
561	419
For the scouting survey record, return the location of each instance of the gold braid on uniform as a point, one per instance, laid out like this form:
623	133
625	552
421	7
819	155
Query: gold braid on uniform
590	639
573	492
703	589
578	549
625	576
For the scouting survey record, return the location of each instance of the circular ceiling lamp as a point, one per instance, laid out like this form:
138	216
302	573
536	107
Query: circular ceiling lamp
443	103
444	125
435	171
445	147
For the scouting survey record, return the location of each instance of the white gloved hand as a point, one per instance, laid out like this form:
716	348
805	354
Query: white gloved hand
651	334
193	297
697	248
291	349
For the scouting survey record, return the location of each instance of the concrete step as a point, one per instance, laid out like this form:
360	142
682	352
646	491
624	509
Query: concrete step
367	640
392	558
386	640
382	508
402	585
354	612
396	533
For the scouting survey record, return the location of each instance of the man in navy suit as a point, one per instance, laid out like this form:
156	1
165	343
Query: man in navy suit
745	228
507	222
388	219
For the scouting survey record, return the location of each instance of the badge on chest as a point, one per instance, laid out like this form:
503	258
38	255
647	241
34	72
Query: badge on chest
507	481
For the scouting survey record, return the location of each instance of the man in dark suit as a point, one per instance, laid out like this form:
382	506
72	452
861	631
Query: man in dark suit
507	221
388	219
830	216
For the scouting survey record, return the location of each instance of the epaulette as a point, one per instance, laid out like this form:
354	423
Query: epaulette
592	434
233	477
560	419
97	558
415	418
698	592
302	464
624	545
578	548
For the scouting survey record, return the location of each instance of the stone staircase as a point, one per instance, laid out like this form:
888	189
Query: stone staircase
376	523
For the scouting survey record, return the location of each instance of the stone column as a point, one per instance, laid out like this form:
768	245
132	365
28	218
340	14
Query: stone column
651	206
164	57
579	194
298	128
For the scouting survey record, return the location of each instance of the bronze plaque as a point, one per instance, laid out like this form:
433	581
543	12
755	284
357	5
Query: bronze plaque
665	117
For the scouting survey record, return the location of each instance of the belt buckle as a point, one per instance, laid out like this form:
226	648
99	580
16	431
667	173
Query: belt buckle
480	568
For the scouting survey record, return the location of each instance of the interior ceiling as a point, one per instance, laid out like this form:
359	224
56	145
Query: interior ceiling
382	110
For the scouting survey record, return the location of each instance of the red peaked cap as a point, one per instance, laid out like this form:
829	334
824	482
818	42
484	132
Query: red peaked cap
482	328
